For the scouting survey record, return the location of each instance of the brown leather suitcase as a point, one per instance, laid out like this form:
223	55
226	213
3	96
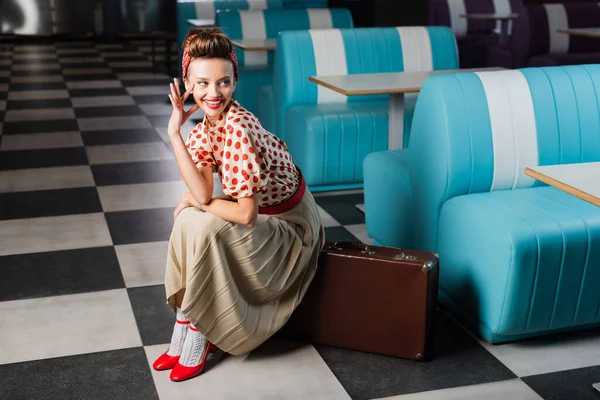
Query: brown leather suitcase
370	298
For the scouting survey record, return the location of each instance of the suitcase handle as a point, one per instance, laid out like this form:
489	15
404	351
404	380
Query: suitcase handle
365	249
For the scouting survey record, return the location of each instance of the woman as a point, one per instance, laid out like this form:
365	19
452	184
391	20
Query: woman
237	265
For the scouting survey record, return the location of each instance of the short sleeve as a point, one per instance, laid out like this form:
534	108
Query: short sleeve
244	169
197	145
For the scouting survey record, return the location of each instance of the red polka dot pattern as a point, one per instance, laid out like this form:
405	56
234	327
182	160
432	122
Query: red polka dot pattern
248	158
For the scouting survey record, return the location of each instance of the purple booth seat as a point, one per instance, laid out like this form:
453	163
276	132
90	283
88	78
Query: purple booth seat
535	41
473	37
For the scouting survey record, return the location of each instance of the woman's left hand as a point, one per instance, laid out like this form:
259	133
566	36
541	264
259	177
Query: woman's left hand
179	116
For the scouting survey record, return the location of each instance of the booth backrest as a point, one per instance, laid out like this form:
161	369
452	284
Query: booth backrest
266	24
448	13
476	132
301	54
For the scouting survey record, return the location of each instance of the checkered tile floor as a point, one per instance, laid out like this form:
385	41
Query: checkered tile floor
87	189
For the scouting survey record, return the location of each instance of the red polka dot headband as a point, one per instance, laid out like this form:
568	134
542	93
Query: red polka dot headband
185	61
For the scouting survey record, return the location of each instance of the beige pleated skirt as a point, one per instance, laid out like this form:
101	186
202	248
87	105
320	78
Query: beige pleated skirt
243	283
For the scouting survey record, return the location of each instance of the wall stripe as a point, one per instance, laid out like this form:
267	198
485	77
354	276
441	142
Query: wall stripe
319	18
458	23
330	59
257	4
557	19
416	48
205	9
253	27
514	133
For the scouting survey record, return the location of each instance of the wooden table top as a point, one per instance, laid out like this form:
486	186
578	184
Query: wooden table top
205	22
256	44
490	16
588	32
581	180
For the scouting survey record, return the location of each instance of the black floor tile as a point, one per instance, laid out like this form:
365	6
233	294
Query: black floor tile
74	45
140	226
97	92
4	79
73	78
343	208
147	82
116	111
48	71
59	125
58	273
99	138
37	86
458	360
339	233
47	203
154	318
91	53
117	374
132	69
3	95
151	99
137	172
21	159
132	58
574	384
33	104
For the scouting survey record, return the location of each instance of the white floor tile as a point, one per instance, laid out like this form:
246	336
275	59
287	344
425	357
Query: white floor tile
36	79
327	219
44	67
4	87
66	325
38	94
4	74
148	90
42	114
129	54
66	51
99	101
143	264
548	354
338	192
23	180
157	109
5	62
511	389
277	370
36	235
30	141
86	71
112	154
129	64
360	231
33	48
35	56
96	84
141	196
109	46
2	105
110	123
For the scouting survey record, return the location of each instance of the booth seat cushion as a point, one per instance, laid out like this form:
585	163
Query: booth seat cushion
264	108
251	79
329	141
545	60
520	262
388	198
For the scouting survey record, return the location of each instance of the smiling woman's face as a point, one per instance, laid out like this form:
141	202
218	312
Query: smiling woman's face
213	84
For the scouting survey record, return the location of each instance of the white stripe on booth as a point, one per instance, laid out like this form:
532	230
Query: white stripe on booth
514	133
416	48
257	4
557	19
458	23
330	59
319	18
502	7
205	9
253	27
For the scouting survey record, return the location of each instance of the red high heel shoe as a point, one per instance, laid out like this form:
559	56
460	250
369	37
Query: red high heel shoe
166	361
182	373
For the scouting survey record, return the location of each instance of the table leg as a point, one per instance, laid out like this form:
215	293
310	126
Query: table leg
396	121
504	31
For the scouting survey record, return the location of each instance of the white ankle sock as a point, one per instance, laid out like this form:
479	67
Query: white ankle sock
193	348
179	334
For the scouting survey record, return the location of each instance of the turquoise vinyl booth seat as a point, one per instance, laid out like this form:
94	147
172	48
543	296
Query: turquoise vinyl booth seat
329	134
256	67
208	9
518	258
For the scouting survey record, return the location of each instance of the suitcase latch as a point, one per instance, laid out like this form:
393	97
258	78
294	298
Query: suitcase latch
403	256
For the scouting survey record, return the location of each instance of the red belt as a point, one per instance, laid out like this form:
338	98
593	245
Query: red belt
290	203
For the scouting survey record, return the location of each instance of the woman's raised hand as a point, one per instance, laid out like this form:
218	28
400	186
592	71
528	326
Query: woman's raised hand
179	115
